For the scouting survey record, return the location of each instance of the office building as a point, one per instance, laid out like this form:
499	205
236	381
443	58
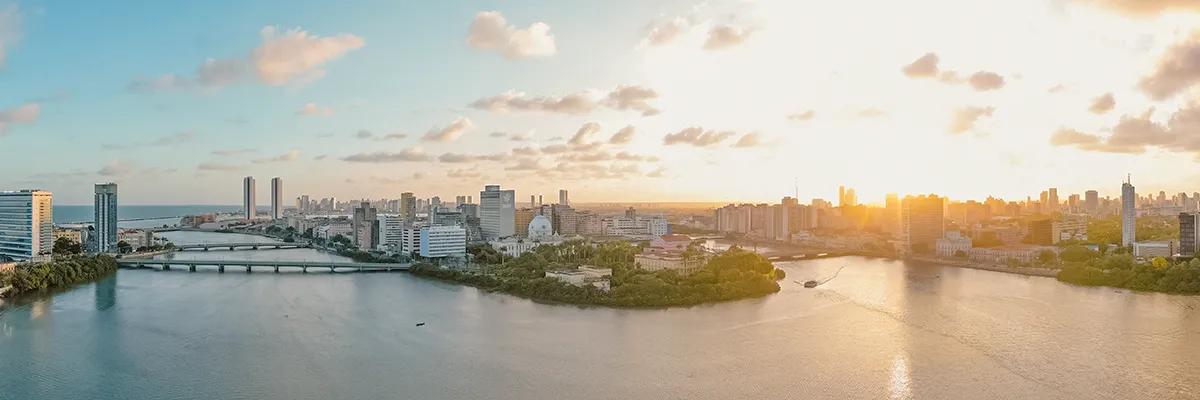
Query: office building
105	223
469	210
365	225
26	226
922	219
1189	237
442	241
276	198
562	218
248	200
408	206
1044	232
1128	214
305	204
1052	201
496	208
391	230
562	197
521	219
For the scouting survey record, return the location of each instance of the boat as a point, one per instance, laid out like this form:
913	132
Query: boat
811	284
420	324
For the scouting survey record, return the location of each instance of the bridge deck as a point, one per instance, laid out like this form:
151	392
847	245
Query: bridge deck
143	263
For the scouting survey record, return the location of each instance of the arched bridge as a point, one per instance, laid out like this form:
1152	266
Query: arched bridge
242	246
304	266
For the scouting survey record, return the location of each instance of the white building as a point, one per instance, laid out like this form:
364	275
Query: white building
953	243
496	208
636	227
540	233
443	241
333	228
276	198
584	275
136	238
26	225
105	217
391	230
1153	249
248	199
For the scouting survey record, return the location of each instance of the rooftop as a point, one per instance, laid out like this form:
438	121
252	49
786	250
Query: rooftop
676	238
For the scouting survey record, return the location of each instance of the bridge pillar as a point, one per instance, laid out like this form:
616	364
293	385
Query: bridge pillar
231	248
254	247
220	268
192	268
205	248
277	246
277	269
359	268
166	267
247	269
304	269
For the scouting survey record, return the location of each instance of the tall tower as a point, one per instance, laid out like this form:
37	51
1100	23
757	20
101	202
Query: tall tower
28	220
106	217
1128	213
408	206
1091	202
248	199
1052	201
562	197
276	198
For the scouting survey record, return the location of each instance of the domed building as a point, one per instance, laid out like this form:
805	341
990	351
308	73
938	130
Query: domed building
541	232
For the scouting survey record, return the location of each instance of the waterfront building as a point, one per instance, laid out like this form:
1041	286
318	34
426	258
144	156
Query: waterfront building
1152	249
1026	254
105	213
653	259
671	242
333	228
248	200
1044	232
441	241
922	219
74	235
636	227
276	198
953	243
1189	236
136	238
496	209
1072	227
26	225
1128	214
583	275
562	197
391	230
541	232
365	225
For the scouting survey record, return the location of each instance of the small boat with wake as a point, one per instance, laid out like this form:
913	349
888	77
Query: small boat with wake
812	283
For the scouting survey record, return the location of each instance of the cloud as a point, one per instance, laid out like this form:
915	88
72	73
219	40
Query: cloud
870	112
182	137
752	139
622	97
1103	104
25	114
1134	133
1056	88
286	157
963	119
632	97
658	173
727	36
394	136
525	151
804	116
116	168
490	31
463	173
668	31
1145	8
10	29
525	164
984	81
555	149
451	132
363	134
584	133
623	136
926	67
591	171
520	137
292	56
697	137
232	152
313	109
211	166
419	175
1090	142
407	155
1177	69
465	158
571	104
497	134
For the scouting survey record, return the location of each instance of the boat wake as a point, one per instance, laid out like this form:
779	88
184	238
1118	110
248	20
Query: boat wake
812	283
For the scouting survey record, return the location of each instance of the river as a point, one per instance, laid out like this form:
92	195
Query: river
883	329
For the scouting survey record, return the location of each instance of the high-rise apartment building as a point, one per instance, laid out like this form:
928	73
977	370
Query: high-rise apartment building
521	219
305	204
248	200
923	222
1052	201
841	196
408	206
1073	204
1128	214
562	197
26	225
365	227
276	198
459	200
1091	202
1189	237
563	219
496	209
851	198
105	224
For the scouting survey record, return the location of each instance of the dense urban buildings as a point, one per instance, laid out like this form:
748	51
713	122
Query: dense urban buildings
365	224
922	221
105	223
1128	214
276	198
248	200
496	209
26	225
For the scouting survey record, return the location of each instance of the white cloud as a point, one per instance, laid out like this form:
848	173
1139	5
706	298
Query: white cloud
451	132
623	136
406	155
752	139
286	157
727	36
490	31
622	97
697	136
232	152
182	137
963	119
25	114
116	168
313	109
633	97
668	31
584	133
1103	104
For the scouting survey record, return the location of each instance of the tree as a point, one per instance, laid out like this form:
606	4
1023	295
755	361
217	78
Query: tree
123	247
67	246
1078	253
1160	263
339	238
289	239
1102	249
1047	257
308	233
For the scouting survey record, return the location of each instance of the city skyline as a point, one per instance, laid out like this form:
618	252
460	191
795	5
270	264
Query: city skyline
603	99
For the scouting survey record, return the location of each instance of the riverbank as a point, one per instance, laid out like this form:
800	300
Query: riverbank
63	273
1043	272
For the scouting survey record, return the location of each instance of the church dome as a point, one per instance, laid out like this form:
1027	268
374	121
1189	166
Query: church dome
540	227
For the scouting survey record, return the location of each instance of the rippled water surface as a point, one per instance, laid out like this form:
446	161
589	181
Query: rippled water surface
882	329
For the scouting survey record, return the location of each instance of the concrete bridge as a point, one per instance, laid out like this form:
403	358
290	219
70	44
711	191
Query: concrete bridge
243	246
788	255
303	266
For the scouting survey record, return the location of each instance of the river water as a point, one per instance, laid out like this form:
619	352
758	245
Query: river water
881	330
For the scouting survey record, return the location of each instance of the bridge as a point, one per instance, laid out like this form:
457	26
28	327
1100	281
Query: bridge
303	266
244	246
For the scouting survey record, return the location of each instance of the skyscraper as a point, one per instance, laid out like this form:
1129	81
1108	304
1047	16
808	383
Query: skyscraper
851	198
1052	201
276	198
841	196
408	206
562	197
1128	213
106	217
28	221
365	226
922	219
496	209
248	199
1091	202
891	211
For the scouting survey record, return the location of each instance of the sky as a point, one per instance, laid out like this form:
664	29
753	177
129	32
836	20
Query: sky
618	100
